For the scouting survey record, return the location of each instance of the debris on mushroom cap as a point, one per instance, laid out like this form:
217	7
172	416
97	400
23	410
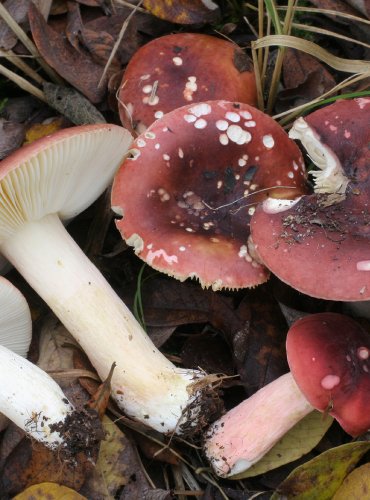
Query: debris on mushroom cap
329	357
187	193
184	68
320	246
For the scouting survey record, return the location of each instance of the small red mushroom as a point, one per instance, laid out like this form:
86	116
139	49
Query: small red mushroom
329	360
188	191
320	246
184	68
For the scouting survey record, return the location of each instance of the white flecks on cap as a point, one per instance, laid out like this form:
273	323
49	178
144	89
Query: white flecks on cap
190	87
242	162
166	157
181	153
363	265
250	123
268	141
224	140
182	249
158	114
295	165
236	134
232	116
177	61
330	381
153	100
157	146
145	77
251	210
200	109
147	89
245	114
170	259
190	118
363	353
347	134
219	184
244	254
222	125
140	142
134	154
163	194
290	175
149	135
200	123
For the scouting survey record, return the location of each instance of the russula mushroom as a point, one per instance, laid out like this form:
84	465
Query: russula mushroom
329	360
174	70
55	178
320	246
29	397
188	190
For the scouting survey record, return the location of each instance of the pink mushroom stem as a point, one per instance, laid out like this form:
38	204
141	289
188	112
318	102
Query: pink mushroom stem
245	434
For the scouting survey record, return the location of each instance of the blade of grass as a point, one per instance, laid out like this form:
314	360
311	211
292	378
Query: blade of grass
328	12
338	63
281	52
321	31
288	116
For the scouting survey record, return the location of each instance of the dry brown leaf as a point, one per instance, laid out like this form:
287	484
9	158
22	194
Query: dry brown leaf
79	70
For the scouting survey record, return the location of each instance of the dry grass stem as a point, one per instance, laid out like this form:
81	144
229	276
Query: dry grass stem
22	83
22	65
22	36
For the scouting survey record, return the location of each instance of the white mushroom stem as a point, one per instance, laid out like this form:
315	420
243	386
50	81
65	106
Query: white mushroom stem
246	433
145	384
32	400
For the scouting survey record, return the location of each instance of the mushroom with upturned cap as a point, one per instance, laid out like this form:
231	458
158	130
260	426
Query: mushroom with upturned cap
329	360
320	246
188	190
174	70
53	179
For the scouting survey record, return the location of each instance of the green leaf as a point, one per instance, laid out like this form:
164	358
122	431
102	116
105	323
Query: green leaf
322	476
301	439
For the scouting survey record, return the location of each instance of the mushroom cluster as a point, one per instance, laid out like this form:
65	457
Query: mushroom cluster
184	68
329	360
189	188
51	180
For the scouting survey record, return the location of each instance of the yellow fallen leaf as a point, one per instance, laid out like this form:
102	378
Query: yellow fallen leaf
301	439
49	491
356	485
322	476
183	11
42	129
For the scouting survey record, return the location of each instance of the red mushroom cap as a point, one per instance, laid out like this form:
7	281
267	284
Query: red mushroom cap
187	193
320	246
184	68
329	358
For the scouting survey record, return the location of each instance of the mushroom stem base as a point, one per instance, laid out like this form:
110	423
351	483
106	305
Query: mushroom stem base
247	432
